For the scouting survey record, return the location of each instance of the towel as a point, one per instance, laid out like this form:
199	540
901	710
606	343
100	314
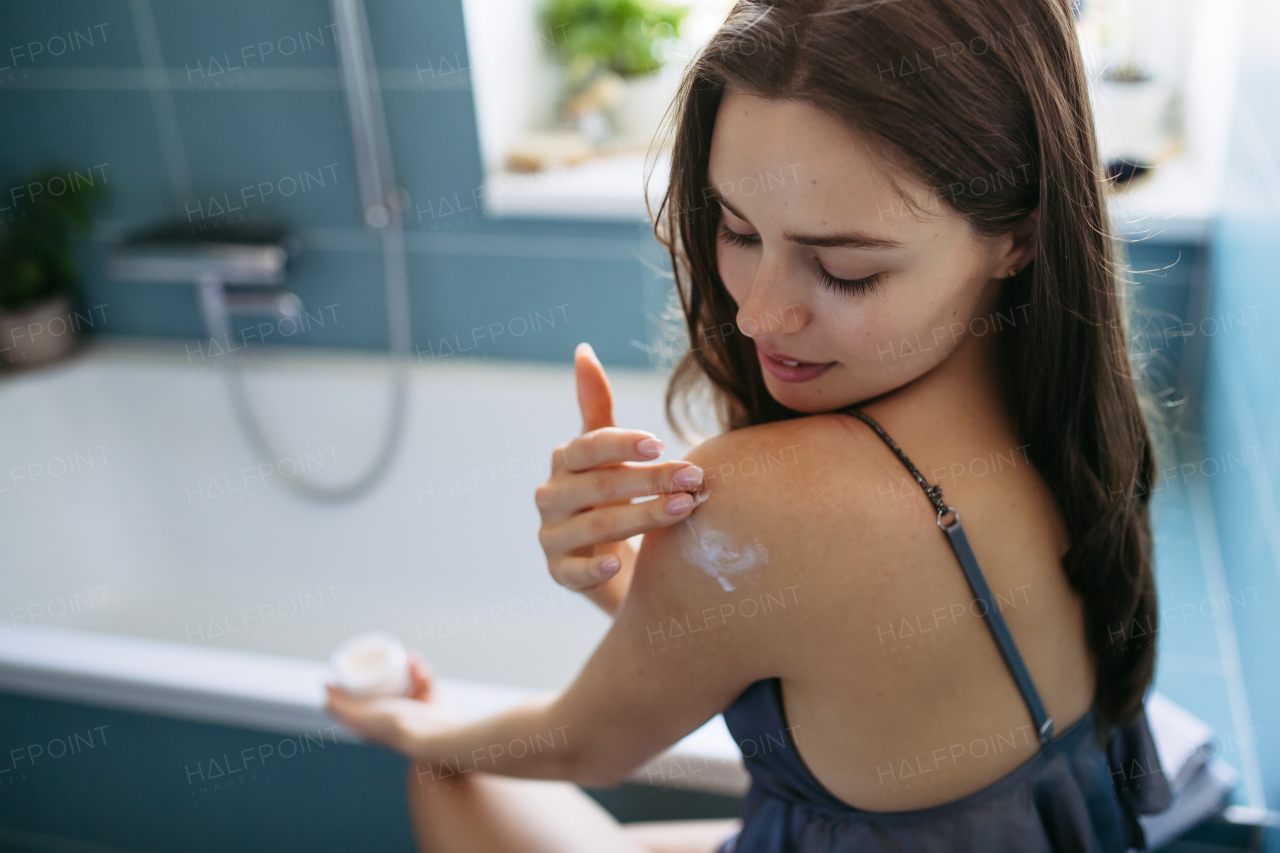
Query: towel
1199	781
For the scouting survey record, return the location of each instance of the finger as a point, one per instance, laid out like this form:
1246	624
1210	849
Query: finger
603	525
615	483
606	446
366	718
341	706
595	397
353	708
419	676
579	573
338	697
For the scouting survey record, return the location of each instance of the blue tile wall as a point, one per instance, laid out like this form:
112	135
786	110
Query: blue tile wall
94	35
249	115
1224	563
1241	406
258	143
307	800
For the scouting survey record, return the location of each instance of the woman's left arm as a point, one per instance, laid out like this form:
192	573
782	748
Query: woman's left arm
673	658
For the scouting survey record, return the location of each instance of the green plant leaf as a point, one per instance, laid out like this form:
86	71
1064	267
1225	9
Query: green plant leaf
37	260
621	36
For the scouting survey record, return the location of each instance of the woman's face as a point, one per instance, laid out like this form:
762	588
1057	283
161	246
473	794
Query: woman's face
828	267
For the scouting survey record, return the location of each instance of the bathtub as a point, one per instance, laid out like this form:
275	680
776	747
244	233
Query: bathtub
167	603
130	503
157	574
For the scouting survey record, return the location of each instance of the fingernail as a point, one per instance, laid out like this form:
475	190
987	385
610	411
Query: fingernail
679	504
649	447
687	477
610	565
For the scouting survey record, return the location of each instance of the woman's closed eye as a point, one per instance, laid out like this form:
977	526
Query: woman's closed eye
848	285
738	239
844	285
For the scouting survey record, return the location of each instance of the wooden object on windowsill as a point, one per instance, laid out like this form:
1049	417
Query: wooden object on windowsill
538	152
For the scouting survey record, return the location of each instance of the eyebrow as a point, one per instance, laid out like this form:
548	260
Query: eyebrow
828	241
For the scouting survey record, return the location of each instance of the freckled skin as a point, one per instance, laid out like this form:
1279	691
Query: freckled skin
938	275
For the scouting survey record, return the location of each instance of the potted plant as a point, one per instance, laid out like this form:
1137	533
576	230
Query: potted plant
38	271
613	53
1131	50
1134	109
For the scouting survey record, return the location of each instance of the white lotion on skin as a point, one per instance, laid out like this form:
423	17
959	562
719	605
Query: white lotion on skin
372	664
714	551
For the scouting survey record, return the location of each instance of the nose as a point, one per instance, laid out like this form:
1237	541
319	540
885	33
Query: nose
773	305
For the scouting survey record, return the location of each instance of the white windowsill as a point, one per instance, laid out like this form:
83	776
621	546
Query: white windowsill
1179	202
605	188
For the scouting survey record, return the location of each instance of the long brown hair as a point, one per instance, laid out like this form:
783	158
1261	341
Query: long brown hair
954	90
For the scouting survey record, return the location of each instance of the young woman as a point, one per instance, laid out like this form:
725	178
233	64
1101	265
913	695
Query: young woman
889	232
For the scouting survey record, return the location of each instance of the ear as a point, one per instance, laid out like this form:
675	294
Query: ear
1025	242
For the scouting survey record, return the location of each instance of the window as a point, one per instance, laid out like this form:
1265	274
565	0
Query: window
517	85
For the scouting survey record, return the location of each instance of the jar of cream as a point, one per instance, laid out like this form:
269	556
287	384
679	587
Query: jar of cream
372	664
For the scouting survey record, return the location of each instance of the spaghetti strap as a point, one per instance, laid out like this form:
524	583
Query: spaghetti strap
978	583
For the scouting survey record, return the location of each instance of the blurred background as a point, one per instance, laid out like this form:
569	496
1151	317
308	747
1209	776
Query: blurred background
288	299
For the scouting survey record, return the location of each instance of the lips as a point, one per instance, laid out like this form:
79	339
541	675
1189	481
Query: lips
790	369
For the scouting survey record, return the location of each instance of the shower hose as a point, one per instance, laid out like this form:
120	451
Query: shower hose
383	204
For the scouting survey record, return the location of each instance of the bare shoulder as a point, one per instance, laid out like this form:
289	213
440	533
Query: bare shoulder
807	452
715	602
788	524
700	583
801	476
754	456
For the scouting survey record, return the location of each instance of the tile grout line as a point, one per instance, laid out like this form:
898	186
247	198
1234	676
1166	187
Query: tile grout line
166	114
159	76
1228	643
1256	144
1247	429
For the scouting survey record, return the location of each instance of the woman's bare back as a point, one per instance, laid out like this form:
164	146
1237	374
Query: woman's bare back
894	689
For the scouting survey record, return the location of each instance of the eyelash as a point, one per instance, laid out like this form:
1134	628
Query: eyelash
845	285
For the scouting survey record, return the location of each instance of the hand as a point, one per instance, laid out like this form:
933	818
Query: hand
399	722
585	504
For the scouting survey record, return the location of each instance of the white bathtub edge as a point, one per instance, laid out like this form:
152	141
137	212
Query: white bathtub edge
279	694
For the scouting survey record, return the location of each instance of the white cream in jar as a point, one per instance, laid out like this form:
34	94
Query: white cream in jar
372	664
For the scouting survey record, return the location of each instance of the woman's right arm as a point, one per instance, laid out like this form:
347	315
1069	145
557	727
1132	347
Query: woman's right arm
586	508
635	696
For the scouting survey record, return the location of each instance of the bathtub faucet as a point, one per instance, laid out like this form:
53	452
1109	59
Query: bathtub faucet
240	270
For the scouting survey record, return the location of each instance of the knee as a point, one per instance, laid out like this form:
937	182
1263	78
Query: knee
425	781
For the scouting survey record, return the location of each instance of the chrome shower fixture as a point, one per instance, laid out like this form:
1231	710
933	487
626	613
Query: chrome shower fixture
239	269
